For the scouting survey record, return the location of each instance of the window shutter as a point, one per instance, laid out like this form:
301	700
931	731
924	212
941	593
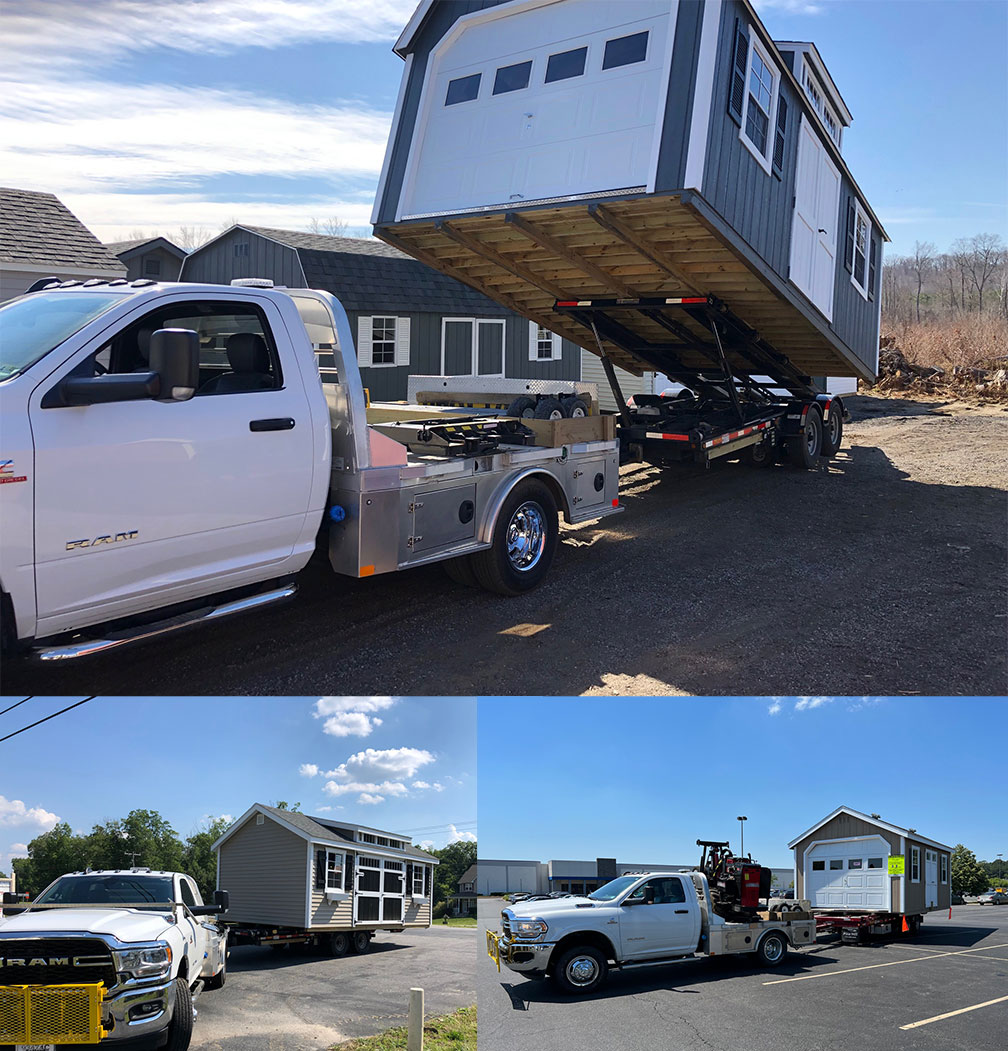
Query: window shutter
364	359
427	878
780	135
409	880
348	881
533	341
871	268
740	58
848	260
402	349
320	869
556	351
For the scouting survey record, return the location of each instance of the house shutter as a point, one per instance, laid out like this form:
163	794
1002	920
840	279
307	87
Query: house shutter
427	878
871	268
780	135
409	880
848	258
740	58
533	341
402	347
364	359
348	882
320	869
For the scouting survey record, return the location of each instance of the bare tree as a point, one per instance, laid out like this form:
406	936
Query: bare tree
986	253
190	238
922	263
334	226
960	254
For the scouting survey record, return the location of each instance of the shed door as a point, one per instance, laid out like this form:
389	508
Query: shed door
816	215
380	891
931	879
848	874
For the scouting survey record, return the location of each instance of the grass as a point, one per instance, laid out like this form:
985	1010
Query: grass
454	1032
457	921
966	341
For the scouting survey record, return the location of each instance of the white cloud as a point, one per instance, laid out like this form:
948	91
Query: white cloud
15	812
308	770
18	848
382	762
426	844
420	785
803	704
388	788
454	836
437	786
774	707
370	800
351	716
791	7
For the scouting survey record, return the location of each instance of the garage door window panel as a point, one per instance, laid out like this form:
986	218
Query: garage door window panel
463	89
625	50
512	78
566	64
835	863
874	863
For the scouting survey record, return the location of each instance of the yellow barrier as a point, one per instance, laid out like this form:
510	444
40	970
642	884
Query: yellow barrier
493	948
51	1014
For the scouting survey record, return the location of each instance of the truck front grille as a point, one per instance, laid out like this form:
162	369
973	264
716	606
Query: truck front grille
55	961
505	925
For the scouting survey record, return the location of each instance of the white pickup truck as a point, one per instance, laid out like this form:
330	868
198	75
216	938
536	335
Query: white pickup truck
115	958
636	920
170	454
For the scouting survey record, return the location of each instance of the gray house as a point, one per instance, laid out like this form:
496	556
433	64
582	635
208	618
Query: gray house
151	257
41	237
312	874
463	901
556	154
407	318
854	862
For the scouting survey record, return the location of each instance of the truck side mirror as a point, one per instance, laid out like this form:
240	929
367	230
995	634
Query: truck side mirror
174	356
222	900
9	898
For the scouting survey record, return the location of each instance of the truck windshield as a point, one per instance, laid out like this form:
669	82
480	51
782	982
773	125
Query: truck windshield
118	889
614	888
32	326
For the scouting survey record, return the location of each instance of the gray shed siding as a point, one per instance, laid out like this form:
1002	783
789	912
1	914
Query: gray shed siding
264	870
671	172
136	266
225	258
854	320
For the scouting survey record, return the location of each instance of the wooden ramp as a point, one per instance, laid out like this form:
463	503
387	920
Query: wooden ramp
631	248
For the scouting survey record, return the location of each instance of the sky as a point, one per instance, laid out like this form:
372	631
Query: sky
144	118
643	779
398	764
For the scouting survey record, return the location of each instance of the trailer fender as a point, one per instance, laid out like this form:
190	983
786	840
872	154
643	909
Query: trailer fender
496	501
569	941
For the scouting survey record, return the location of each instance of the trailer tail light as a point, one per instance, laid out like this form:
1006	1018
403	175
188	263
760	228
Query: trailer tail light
367	571
615	502
687	299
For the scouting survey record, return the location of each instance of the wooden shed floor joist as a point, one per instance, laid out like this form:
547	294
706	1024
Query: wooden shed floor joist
627	248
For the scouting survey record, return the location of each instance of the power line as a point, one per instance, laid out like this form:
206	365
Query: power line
38	722
13	706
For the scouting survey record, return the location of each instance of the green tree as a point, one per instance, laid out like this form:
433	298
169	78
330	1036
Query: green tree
967	875
49	856
199	859
142	838
282	804
455	859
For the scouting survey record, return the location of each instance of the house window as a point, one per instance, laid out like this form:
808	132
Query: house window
819	104
383	350
241	250
152	267
761	86
915	864
625	50
334	871
818	866
512	78
858	247
566	64
418	881
367	837
383	342
543	344
463	89
944	867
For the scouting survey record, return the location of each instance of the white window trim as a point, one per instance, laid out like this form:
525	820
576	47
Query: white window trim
474	348
556	352
336	893
421	871
860	213
915	854
767	161
395	329
943	869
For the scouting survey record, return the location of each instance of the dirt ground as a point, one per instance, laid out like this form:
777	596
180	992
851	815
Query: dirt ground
880	572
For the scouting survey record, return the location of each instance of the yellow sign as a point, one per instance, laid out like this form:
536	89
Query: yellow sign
897	865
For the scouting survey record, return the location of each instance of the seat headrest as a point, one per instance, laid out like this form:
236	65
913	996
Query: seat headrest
143	338
247	352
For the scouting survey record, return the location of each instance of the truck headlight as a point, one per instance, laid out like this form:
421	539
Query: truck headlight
529	930
151	961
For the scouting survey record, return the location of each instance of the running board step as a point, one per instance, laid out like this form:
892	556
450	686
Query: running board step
88	647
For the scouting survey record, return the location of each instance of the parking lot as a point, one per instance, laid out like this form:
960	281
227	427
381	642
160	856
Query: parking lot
946	988
297	1000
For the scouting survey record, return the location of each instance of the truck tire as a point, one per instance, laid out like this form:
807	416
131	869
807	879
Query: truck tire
772	949
523	407
581	970
461	571
549	409
339	943
804	448
360	940
180	1030
524	541
575	408
218	980
833	431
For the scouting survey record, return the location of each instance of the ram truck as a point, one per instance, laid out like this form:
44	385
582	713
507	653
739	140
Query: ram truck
174	453
636	920
114	957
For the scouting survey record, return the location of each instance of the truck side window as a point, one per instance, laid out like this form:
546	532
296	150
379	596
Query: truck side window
668	891
187	894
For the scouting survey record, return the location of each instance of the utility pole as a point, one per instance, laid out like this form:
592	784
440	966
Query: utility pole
133	854
740	819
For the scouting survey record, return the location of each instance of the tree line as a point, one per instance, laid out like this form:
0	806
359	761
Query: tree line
971	277
970	876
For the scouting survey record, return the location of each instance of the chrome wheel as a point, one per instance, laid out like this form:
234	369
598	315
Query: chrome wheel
526	536
811	436
582	971
834	428
773	949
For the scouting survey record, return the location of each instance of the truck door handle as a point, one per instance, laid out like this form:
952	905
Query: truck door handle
682	912
280	423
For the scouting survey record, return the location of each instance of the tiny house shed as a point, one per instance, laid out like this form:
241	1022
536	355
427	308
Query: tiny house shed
842	863
552	152
310	873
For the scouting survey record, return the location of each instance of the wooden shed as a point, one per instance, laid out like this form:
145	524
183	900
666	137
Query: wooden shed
854	862
555	152
314	874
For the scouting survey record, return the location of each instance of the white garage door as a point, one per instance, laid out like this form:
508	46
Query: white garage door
557	100
848	874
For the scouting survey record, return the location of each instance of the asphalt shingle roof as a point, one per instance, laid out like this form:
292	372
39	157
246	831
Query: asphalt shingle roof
38	229
120	248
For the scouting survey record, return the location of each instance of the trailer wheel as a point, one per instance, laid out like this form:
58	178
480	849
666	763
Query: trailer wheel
218	980
761	454
581	970
180	1030
772	949
360	940
461	571
549	409
576	408
804	448
833	431
523	407
339	943
524	541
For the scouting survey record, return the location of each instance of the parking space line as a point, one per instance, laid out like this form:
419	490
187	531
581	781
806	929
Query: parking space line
875	966
951	1014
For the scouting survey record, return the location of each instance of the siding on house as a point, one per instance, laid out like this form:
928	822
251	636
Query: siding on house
240	253
337	915
263	869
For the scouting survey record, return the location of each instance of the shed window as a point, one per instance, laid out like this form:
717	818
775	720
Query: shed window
915	864
859	247
855	863
944	867
818	866
152	267
755	110
512	78
463	89
383	341
543	344
566	64
241	250
418	881
874	863
761	83
836	863
625	50
334	871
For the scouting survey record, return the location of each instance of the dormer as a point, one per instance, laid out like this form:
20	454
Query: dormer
820	90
